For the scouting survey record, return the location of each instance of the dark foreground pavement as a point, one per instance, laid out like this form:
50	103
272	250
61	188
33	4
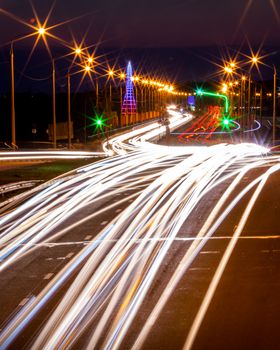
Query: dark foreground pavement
244	311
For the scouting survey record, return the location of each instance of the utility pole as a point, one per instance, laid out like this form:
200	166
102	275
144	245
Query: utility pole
69	109
53	104
13	111
96	95
249	101
274	106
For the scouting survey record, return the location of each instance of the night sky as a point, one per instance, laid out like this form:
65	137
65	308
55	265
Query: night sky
156	23
179	38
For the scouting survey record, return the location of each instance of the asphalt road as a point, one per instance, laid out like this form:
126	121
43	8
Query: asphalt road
244	310
243	313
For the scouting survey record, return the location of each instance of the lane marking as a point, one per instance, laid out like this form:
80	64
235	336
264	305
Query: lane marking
48	276
118	210
23	302
69	255
177	239
88	237
199	269
210	252
104	223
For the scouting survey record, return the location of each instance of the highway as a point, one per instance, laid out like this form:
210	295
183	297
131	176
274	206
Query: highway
153	247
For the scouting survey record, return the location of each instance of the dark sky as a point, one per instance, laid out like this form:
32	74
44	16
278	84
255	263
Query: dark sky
156	23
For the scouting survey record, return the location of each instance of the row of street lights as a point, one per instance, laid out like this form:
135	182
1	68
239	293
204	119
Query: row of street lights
231	68
86	64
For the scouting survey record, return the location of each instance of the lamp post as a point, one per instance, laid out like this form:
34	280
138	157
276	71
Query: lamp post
41	31
261	103
53	104
13	112
111	74
122	77
69	108
249	100
149	102
77	51
96	95
254	61
274	106
142	103
242	88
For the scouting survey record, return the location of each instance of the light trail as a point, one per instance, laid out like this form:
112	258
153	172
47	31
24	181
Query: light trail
256	128
37	155
211	133
116	269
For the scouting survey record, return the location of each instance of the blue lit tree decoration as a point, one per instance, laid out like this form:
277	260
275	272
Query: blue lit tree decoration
129	102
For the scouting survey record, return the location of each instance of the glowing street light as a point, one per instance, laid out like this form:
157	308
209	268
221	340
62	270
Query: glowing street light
255	60
87	68
111	74
41	31
228	70
224	88
122	76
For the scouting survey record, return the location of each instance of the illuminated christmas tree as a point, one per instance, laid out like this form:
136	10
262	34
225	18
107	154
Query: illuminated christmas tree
129	102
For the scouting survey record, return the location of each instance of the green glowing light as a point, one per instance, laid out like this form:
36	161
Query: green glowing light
98	122
226	123
217	95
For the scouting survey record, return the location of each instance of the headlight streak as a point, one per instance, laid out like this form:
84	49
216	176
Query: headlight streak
226	256
116	270
37	155
141	295
256	128
202	238
212	132
71	317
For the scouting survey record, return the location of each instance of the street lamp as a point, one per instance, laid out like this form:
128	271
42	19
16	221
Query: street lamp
255	60
242	89
69	108
41	31
111	75
53	104
122	78
13	112
274	106
77	51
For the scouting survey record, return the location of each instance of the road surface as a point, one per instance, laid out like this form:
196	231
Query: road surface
155	248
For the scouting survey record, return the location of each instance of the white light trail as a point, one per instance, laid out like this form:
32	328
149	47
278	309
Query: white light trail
37	155
116	269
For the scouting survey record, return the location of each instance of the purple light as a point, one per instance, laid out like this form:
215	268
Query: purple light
129	102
